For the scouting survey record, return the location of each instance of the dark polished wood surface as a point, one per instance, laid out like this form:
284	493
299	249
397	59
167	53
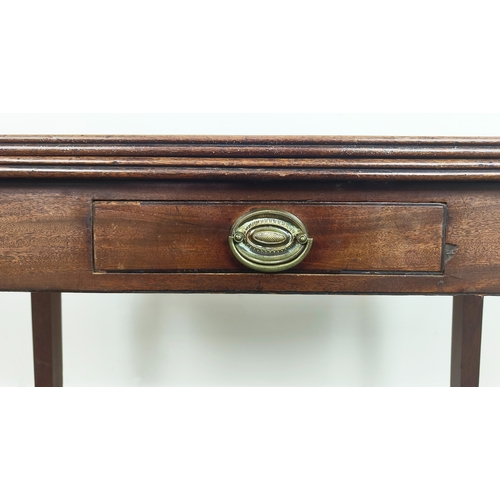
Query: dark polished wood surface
388	215
47	338
193	237
306	158
466	340
46	234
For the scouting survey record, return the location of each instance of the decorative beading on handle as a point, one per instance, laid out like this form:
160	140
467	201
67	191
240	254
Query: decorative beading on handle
269	241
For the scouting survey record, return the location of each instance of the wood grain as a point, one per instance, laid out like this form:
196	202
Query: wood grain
46	236
188	237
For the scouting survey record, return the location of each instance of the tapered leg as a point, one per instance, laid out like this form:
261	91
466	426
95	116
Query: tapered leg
47	338
466	340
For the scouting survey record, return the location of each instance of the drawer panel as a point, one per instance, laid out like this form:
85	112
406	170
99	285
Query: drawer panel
132	236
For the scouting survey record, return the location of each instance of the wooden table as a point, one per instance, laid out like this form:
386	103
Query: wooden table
306	215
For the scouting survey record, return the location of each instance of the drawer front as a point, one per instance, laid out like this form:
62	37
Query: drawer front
193	237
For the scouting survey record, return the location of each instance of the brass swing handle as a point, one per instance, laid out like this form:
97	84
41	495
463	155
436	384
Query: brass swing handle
269	241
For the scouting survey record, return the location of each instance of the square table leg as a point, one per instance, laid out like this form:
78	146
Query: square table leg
466	340
47	338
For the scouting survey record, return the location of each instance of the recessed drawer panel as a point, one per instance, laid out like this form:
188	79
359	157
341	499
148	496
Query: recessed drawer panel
193	237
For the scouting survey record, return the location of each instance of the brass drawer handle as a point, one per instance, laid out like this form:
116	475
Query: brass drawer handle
269	241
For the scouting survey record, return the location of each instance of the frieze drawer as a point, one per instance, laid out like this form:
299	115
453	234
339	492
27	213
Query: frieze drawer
132	236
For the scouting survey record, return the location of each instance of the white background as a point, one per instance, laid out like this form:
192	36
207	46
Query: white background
213	340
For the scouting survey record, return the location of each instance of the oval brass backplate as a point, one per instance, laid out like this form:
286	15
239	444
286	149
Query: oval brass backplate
269	241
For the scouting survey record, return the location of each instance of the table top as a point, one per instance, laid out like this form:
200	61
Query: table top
253	158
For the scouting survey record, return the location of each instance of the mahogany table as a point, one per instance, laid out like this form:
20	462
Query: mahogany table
306	215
